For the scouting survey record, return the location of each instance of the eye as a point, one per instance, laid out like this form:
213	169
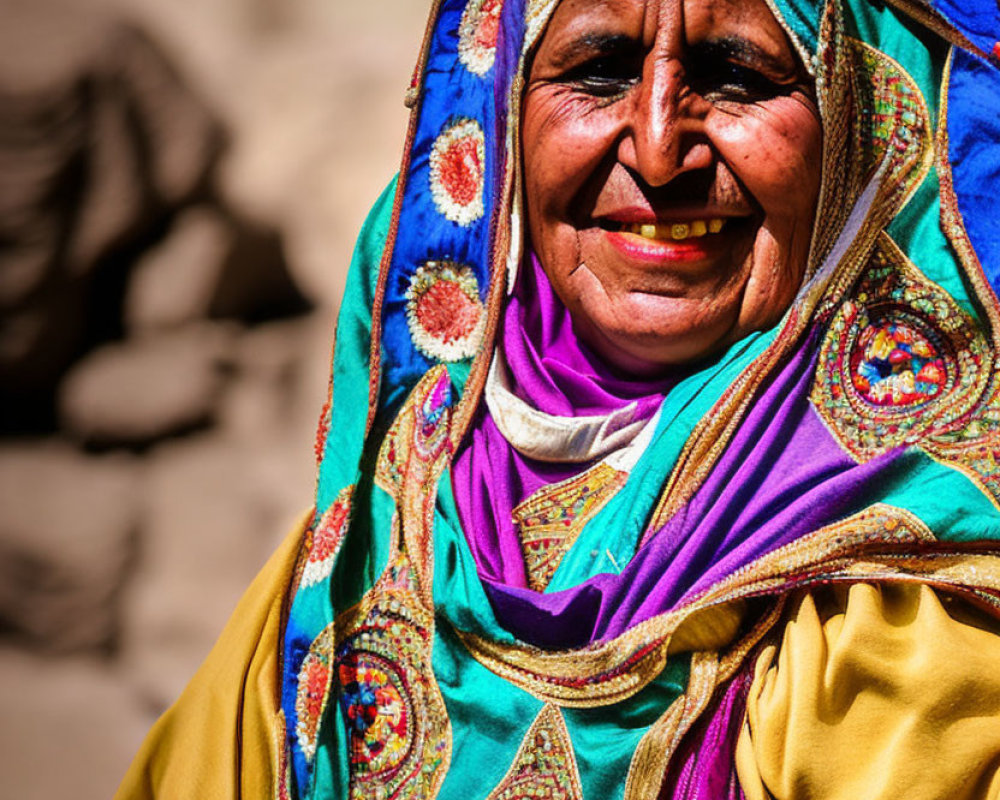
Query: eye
604	76
721	79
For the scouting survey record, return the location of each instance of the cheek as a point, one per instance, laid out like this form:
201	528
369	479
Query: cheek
775	151
564	143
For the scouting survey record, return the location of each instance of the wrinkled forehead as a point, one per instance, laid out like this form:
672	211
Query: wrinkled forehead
671	25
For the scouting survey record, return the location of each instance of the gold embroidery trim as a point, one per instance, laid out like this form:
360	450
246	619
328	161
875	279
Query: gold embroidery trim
859	547
550	521
657	746
545	764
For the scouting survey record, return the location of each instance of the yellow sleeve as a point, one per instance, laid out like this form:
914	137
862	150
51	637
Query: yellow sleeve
220	739
877	692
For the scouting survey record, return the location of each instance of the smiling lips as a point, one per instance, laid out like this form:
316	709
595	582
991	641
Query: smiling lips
689	240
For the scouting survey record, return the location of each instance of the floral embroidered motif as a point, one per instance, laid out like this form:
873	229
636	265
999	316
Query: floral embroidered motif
398	729
900	362
458	166
477	34
314	681
896	364
326	540
545	766
551	519
444	312
376	712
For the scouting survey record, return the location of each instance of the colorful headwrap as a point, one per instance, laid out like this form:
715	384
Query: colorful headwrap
857	440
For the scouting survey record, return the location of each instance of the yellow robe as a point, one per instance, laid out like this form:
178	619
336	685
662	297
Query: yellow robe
220	739
873	692
876	692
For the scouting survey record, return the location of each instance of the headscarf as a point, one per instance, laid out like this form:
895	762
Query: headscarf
855	440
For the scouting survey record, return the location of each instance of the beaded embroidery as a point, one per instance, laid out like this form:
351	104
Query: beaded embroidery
398	729
444	312
458	161
323	428
545	765
551	519
282	762
477	34
900	360
326	540
616	669
313	691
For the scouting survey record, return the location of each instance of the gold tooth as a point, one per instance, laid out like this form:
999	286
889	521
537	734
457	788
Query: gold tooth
647	231
698	227
715	225
680	230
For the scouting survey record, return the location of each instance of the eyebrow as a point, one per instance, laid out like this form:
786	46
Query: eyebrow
590	44
744	51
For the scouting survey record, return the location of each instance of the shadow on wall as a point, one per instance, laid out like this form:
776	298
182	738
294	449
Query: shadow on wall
126	289
160	368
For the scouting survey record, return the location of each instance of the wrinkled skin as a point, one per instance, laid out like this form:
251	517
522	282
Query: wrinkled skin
674	113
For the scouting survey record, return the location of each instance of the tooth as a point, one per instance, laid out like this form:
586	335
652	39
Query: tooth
680	230
647	231
715	225
698	228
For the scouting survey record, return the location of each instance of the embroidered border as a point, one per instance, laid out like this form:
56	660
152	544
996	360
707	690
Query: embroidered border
900	360
611	671
545	766
551	519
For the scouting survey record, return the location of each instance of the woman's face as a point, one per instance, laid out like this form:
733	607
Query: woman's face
671	168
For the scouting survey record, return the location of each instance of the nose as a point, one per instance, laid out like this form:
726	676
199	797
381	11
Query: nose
665	136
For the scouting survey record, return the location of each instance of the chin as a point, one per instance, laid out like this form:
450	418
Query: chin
647	348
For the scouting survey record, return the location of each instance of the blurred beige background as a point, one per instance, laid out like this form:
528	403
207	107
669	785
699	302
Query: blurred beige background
181	182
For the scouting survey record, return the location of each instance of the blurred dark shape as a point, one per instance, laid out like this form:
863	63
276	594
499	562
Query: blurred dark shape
211	265
148	387
101	145
67	534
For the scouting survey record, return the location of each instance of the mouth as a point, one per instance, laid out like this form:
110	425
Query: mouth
689	239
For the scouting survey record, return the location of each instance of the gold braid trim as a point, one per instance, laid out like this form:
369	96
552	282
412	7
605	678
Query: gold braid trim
875	544
649	764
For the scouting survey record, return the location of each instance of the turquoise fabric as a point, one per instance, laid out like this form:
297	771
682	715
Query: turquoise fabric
363	572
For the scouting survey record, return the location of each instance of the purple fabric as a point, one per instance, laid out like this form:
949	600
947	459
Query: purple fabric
705	765
781	477
555	373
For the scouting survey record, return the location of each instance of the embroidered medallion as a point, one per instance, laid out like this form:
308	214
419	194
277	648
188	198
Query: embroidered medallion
458	164
900	361
326	540
545	766
314	681
551	519
398	729
897	362
477	34
444	312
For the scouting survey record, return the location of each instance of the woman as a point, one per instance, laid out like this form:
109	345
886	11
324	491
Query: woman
662	452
